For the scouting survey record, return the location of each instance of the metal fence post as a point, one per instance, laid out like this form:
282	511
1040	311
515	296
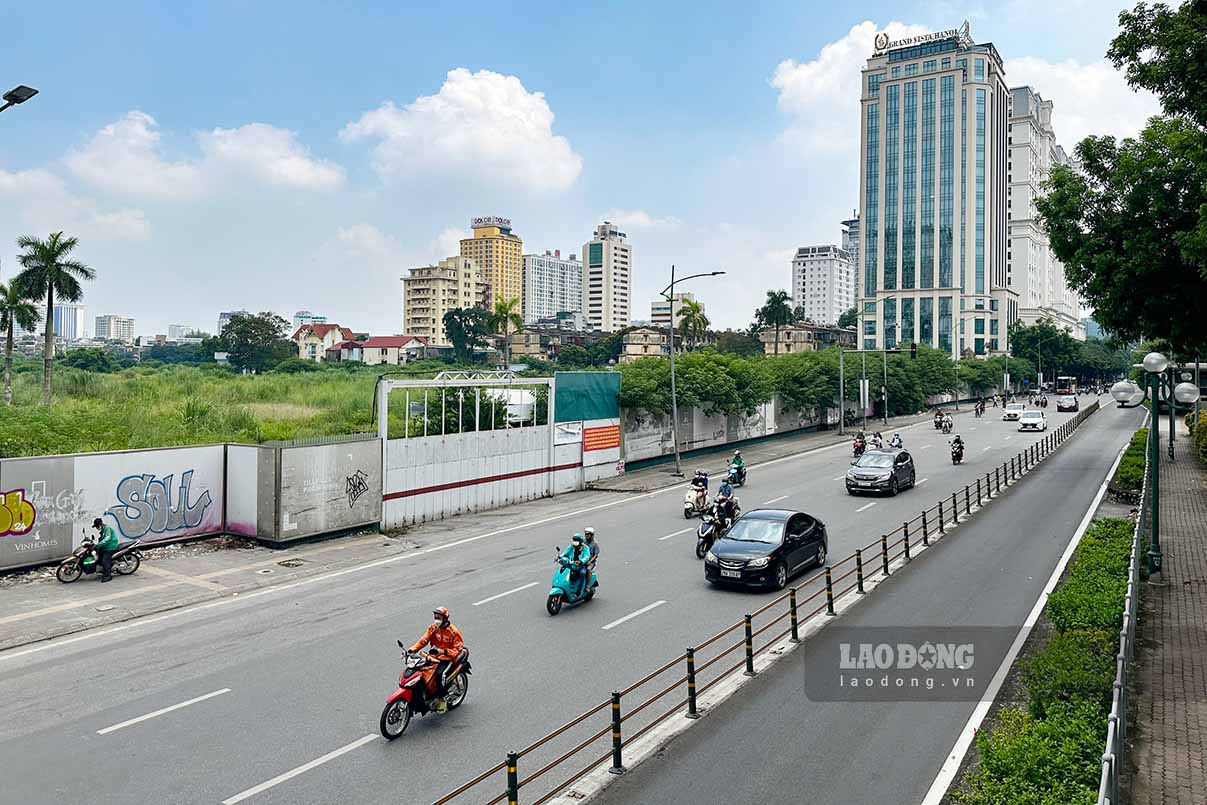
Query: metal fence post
691	683
905	538
513	779
978	491
792	609
955	508
617	764
829	592
925	531
941	518
749	648
858	572
884	552
967	501
997	479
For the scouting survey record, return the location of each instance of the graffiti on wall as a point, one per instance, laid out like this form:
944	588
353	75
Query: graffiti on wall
145	505
17	515
356	485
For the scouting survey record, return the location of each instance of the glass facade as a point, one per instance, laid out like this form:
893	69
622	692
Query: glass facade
891	148
926	321
978	71
927	246
926	49
963	184
980	191
909	196
872	201
907	321
874	84
993	327
911	69
930	66
890	323
945	323
947	99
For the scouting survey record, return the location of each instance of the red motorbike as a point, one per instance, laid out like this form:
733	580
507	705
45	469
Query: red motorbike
412	696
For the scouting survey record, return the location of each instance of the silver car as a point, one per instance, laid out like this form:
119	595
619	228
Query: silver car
1013	411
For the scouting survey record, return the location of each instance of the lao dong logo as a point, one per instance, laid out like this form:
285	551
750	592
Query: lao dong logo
905	656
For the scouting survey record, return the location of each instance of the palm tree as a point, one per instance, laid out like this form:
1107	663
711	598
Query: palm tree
49	271
505	315
692	321
15	310
776	313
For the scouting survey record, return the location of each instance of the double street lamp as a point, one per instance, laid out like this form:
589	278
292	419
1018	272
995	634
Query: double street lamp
1158	380
668	294
17	95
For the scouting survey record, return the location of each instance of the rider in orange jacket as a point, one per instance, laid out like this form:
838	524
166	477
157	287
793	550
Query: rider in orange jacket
446	643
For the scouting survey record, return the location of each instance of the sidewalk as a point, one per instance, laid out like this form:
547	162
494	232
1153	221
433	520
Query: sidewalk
1167	752
716	462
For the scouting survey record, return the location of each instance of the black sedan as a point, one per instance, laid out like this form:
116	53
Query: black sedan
765	547
881	471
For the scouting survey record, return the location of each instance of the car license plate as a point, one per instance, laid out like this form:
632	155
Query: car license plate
731	574
865	483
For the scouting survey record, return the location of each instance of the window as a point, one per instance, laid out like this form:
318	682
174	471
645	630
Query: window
978	72
946	160
926	320
907	320
945	323
911	69
927	246
909	198
874	84
980	191
890	323
891	146
895	72
869	326
872	200
979	326
947	63
930	66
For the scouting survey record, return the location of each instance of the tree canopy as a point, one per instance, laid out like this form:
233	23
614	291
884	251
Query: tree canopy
466	329
258	342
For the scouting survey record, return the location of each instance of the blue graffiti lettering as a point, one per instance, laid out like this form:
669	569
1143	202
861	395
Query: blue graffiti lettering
145	505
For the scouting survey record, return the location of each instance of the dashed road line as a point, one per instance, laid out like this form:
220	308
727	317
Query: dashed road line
305	767
629	617
161	711
866	506
509	592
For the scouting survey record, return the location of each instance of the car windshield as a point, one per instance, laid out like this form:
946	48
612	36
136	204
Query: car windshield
1032	415
878	460
1015	407
756	529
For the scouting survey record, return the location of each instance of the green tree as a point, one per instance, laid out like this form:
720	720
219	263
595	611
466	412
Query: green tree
849	319
776	313
739	342
1164	50
572	356
48	271
505	315
1046	346
256	343
93	359
466	329
692	322
15	310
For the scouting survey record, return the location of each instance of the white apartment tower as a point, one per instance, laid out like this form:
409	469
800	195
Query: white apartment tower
661	310
1032	271
932	185
823	282
607	279
115	328
850	245
552	284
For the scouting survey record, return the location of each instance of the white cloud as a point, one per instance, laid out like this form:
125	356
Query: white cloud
821	97
45	205
640	219
448	242
127	157
481	125
1086	98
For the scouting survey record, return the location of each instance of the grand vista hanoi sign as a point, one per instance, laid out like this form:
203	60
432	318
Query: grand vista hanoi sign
883	42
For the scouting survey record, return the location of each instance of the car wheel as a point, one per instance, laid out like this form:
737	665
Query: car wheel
893	487
821	555
913	479
781	576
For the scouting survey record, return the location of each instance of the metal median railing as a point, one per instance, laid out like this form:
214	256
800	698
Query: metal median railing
587	741
1117	728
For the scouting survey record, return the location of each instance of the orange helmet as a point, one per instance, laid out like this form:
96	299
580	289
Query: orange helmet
441	613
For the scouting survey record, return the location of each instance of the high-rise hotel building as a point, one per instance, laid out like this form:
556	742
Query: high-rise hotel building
933	182
499	254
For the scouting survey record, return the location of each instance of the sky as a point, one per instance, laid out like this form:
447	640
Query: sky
284	156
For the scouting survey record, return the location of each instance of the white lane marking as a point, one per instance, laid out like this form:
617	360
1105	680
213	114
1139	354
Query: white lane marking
1008	438
865	507
983	449
924	480
776	500
175	613
149	716
677	533
632	615
305	767
927	446
947	772
509	592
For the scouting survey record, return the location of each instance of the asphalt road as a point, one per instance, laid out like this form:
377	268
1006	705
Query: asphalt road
776	742
293	676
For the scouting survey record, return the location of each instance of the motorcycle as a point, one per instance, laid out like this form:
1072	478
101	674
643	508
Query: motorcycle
858	446
946	427
411	698
567	587
706	534
957	454
736	475
938	422
695	502
84	560
897	444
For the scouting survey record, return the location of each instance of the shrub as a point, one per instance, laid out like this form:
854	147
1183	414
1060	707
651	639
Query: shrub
1092	595
1075	666
1130	475
291	366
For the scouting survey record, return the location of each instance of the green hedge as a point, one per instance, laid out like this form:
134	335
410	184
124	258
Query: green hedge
1198	437
1050	753
1130	475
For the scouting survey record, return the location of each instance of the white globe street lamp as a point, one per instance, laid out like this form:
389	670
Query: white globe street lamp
1186	393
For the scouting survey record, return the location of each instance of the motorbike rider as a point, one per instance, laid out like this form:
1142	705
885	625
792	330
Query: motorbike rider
877	440
579	555
740	463
896	441
700	480
106	546
445	644
859	444
938	417
957	444
726	505
589	536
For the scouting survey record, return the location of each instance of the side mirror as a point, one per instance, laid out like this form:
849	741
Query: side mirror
400	645
558	549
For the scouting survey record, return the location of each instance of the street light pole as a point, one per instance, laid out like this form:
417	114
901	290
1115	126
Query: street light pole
668	294
16	95
862	399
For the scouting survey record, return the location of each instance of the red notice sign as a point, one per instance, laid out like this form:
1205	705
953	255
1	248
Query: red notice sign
602	438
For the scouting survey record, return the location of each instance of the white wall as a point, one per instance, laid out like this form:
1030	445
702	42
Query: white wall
242	480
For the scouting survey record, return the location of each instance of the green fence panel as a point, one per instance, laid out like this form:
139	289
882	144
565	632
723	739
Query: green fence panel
586	395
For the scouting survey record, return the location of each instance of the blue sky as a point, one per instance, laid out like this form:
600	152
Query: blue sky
238	154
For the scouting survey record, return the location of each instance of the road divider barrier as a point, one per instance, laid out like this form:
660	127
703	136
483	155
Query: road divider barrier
815	596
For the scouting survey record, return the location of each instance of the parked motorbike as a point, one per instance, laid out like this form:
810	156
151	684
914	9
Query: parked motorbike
957	454
736	475
84	560
695	502
411	698
567	586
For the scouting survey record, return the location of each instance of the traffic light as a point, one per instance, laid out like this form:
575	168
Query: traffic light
913	350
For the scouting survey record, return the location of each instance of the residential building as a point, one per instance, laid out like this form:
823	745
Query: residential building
499	255
314	340
563	320
431	291
70	322
643	342
304	317
823	282
932	184
115	328
607	279
850	245
178	331
344	351
661	310
392	349
225	316
1033	272
792	338
552	285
